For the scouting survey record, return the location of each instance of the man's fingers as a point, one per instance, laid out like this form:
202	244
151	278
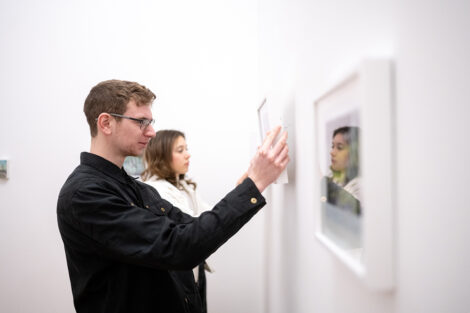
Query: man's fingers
270	136
280	144
284	163
283	155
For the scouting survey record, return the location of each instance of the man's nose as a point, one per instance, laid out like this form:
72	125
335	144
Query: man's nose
150	131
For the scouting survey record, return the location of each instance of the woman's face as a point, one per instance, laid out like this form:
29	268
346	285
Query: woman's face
339	153
180	156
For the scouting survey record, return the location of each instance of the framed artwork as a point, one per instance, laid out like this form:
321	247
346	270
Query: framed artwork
4	169
263	119
264	124
353	131
134	166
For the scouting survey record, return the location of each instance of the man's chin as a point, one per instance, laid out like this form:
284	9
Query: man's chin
136	153
140	151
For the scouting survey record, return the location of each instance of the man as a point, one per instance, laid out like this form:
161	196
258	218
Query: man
127	249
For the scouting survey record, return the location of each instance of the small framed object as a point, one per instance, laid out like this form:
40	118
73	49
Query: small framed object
263	119
264	124
134	165
353	131
4	169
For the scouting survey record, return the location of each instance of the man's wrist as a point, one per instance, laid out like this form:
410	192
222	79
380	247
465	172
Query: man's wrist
258	183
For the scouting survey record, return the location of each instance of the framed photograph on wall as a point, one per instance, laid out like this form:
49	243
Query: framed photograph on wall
264	124
263	119
354	204
4	171
134	165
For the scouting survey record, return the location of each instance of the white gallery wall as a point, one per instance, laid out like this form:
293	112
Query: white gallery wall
304	46
209	62
200	58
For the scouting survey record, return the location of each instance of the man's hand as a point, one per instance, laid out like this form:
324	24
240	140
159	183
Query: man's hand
269	162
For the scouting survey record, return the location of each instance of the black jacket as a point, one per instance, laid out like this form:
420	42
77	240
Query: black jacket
128	250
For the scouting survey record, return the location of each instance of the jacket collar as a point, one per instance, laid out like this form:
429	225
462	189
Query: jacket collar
106	167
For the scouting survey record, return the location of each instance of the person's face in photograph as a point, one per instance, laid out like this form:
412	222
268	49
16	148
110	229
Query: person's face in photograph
180	156
339	153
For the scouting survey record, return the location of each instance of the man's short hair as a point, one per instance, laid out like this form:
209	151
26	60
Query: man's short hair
112	96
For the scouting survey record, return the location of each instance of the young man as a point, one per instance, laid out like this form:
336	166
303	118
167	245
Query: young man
127	249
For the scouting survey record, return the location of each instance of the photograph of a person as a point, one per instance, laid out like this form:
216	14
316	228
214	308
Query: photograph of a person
340	180
342	184
3	169
338	145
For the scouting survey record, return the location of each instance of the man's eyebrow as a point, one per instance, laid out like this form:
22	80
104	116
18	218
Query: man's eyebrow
144	118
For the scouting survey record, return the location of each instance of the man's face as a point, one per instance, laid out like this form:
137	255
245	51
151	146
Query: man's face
130	139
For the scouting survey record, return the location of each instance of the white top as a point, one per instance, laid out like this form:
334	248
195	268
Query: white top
184	198
353	187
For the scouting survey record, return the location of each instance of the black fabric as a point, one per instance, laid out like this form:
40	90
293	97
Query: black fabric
128	250
201	286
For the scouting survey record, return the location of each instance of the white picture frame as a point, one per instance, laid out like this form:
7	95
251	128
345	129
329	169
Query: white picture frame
263	119
353	201
264	124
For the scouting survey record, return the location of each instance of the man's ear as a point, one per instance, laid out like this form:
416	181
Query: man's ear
105	123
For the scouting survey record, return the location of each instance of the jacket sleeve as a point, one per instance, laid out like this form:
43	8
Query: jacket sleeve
159	235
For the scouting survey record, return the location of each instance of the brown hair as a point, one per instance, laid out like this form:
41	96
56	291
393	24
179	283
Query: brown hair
112	96
158	156
351	136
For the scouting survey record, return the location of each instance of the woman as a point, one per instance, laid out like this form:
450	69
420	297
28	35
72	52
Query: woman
343	182
167	161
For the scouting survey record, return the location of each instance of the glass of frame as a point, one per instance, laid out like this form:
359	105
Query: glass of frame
354	179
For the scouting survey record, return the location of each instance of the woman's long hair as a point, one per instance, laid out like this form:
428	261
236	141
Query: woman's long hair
158	156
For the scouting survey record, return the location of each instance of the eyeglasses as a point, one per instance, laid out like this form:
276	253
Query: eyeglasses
144	123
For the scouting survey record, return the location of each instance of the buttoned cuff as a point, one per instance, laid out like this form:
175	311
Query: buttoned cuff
250	190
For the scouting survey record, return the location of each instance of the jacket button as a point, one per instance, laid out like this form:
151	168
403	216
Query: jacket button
254	200
186	299
132	203
163	209
147	206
